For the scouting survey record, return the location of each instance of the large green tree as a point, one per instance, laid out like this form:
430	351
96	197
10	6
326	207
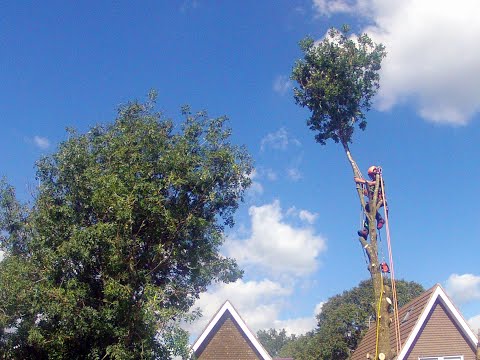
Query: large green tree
304	347
343	321
337	80
274	340
123	236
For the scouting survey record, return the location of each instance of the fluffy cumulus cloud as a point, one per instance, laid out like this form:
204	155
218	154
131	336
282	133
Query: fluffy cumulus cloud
474	323
42	142
432	62
299	326
275	245
258	303
279	140
307	216
463	288
303	215
318	308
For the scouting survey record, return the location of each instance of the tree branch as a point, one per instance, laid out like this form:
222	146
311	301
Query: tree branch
356	173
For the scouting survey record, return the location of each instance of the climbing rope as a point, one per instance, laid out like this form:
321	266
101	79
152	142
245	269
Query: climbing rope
392	271
378	321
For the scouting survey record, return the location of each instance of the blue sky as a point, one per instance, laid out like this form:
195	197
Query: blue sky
71	65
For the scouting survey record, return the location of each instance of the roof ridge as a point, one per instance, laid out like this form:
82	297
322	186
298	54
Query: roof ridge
228	306
412	317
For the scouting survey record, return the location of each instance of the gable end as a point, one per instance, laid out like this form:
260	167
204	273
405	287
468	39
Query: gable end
228	337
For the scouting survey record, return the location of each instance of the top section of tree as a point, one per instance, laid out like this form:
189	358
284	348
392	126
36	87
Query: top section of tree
337	79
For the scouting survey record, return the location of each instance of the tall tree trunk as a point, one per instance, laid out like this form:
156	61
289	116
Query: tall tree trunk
381	290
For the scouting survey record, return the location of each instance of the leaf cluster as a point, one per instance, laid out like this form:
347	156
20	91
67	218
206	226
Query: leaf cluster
123	236
337	79
273	341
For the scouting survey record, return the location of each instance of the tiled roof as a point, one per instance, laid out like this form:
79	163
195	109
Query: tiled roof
412	316
414	308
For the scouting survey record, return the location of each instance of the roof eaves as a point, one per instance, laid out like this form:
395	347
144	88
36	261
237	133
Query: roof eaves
437	294
227	306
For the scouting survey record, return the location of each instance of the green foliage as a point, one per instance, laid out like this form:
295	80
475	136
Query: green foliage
123	236
343	321
303	347
273	340
337	79
345	318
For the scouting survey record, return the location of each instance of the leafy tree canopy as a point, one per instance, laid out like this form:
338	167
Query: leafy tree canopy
123	236
337	79
303	347
273	341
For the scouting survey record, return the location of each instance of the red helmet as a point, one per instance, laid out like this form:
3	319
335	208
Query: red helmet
372	170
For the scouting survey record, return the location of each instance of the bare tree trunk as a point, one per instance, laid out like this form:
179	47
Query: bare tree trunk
381	290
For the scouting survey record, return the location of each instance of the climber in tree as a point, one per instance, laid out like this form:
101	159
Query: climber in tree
368	190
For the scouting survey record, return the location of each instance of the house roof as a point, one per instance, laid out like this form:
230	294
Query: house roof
209	331
413	317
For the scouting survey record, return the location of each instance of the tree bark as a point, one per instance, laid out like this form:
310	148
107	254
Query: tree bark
381	290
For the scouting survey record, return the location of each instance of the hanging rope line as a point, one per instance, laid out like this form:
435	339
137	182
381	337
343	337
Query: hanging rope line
378	322
392	271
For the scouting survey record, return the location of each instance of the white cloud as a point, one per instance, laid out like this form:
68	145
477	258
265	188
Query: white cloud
292	211
258	303
303	215
282	84
263	172
318	308
41	142
256	188
270	174
432	59
276	246
463	288
279	140
329	7
474	323
298	326
307	216
294	174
